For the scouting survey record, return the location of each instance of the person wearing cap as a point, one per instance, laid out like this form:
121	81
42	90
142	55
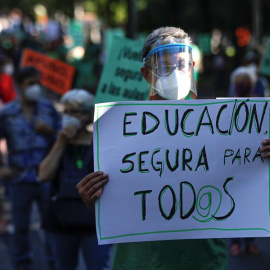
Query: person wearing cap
71	224
29	124
168	69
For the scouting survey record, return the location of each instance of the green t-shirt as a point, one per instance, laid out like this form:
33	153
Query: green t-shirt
201	254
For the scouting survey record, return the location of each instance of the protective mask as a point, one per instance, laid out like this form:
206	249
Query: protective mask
33	92
68	120
176	86
8	69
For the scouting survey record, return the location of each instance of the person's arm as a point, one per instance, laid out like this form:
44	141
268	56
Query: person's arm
49	165
91	186
44	129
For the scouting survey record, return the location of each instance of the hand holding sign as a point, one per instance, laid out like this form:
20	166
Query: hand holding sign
90	188
265	148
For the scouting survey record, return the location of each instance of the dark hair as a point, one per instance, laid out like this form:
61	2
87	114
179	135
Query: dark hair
166	35
24	73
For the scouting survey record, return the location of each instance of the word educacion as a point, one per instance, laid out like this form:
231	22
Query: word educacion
250	116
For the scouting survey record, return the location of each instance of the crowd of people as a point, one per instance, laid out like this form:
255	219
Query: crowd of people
47	156
50	152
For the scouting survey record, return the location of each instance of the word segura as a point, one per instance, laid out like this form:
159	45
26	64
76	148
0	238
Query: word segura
184	159
161	158
176	122
205	211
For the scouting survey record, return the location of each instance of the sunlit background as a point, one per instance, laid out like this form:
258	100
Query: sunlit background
76	32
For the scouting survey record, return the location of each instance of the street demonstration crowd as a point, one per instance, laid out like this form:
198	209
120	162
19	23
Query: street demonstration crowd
50	151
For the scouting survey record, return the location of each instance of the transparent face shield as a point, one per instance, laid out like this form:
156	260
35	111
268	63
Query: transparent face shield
171	72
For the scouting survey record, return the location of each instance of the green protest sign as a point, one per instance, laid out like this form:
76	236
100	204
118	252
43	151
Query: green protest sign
204	43
121	79
76	31
110	34
265	63
85	75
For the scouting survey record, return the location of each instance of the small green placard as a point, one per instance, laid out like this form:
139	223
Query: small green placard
265	63
121	78
204	43
76	31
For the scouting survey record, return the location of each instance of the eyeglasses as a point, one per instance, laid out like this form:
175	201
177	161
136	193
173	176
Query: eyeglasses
166	70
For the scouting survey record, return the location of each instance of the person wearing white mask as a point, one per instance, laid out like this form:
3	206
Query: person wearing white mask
29	124
168	70
71	224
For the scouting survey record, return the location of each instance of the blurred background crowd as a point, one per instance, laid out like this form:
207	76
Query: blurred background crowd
78	32
230	40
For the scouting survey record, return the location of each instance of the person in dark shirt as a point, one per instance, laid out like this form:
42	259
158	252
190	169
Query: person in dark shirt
29	125
72	225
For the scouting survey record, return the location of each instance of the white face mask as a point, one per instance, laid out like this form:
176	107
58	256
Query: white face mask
176	86
68	120
33	92
8	69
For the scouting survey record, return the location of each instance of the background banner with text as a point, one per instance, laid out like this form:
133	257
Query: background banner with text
55	74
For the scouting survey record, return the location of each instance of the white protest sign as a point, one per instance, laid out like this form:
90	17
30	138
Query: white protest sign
182	170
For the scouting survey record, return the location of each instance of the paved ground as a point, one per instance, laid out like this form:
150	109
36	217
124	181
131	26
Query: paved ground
39	261
247	262
243	262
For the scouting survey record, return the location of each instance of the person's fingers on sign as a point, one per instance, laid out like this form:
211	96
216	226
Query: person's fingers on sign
265	148
91	186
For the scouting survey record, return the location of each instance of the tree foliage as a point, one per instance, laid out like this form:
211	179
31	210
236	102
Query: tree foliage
199	15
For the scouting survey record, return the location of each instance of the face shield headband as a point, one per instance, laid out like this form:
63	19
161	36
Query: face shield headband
171	71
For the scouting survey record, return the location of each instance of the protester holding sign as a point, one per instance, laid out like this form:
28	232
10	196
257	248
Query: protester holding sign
72	225
168	69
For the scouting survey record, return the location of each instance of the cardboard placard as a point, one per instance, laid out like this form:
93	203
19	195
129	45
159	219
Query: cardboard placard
182	170
55	74
121	79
